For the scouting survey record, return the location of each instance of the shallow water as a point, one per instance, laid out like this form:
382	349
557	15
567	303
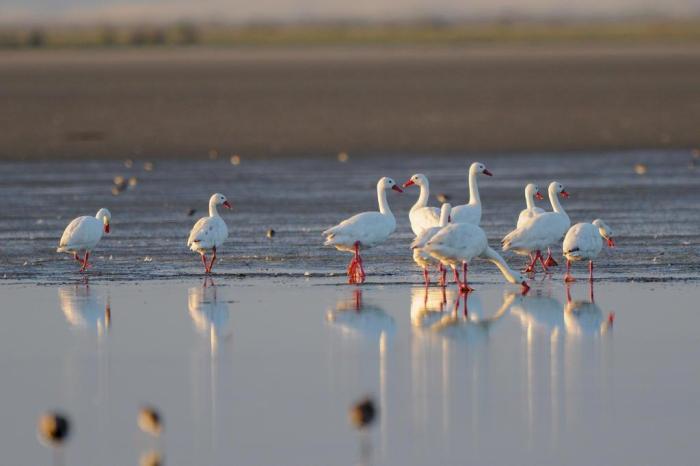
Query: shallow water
262	371
656	216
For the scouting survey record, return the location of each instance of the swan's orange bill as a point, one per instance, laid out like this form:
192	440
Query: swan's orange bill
565	194
396	188
226	204
539	196
486	172
611	243
408	183
106	227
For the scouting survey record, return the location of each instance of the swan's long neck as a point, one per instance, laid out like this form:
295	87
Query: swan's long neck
554	200
423	197
496	258
529	202
383	204
212	208
474	198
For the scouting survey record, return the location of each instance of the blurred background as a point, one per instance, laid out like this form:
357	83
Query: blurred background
171	78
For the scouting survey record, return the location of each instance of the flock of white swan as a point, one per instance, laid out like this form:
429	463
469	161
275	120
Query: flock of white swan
449	236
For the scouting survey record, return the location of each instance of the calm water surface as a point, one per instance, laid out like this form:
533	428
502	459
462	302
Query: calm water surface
262	371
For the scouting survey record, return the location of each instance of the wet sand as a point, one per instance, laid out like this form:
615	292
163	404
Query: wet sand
247	376
179	103
655	216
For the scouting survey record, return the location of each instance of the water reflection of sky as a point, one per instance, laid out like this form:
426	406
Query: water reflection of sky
241	374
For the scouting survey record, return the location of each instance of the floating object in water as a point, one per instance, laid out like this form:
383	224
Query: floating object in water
149	421
128	163
148	166
151	458
270	233
213	154
363	413
191	212
442	197
343	157
640	169
148	259
133	181
235	159
53	428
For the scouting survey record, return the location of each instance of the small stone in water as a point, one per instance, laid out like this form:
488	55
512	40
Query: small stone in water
54	428
343	157
362	413
149	421
119	180
270	233
133	181
213	154
148	166
128	163
191	212
640	169
235	159
151	458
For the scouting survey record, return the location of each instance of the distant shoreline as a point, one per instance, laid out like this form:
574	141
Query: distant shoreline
192	101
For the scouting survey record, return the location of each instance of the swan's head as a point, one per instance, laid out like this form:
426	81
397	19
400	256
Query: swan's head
605	231
558	188
478	167
418	179
445	214
219	199
104	216
533	190
388	183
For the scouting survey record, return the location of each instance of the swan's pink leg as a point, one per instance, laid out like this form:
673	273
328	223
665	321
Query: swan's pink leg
568	293
568	278
458	282
213	259
465	284
550	260
443	274
590	270
204	262
539	256
426	276
361	269
86	264
531	268
590	292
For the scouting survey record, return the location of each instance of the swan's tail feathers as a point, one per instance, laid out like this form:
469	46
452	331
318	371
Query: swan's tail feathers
329	239
507	241
62	249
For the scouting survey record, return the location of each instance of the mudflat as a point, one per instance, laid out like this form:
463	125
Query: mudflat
184	102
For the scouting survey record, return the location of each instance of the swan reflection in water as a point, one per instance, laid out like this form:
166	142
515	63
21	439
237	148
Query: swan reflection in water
469	321
362	325
211	318
428	304
209	315
85	309
353	317
563	350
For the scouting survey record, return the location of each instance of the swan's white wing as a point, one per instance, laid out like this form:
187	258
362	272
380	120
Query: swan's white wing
582	240
538	231
422	239
527	214
81	233
458	241
423	218
207	233
368	228
466	214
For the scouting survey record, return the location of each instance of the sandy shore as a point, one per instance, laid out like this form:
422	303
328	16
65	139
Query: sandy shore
258	101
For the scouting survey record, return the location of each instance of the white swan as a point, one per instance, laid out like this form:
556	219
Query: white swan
471	213
421	216
532	192
83	234
460	243
363	231
584	241
541	231
421	257
210	232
